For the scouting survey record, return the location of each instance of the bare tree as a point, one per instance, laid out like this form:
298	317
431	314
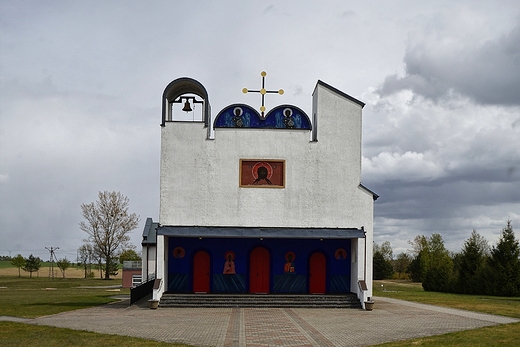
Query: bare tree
108	225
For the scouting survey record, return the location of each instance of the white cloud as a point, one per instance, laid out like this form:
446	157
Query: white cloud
81	86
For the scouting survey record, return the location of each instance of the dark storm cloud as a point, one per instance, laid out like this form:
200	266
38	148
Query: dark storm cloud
81	86
437	65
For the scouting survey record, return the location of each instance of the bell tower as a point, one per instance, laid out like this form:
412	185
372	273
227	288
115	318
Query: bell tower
186	100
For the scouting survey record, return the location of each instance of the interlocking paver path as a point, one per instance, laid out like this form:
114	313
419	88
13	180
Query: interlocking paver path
390	320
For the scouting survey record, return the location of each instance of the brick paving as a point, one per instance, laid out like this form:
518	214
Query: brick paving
390	320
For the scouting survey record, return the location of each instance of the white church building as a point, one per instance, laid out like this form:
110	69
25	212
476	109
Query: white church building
265	202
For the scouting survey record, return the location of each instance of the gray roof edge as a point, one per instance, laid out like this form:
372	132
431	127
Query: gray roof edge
150	232
374	195
337	91
267	232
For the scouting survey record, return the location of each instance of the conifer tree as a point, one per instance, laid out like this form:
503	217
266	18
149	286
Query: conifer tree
32	264
503	276
471	263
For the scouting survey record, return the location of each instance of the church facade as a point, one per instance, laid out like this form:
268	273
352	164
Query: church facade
262	202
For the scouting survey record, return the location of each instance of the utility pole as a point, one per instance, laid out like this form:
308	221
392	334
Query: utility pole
52	259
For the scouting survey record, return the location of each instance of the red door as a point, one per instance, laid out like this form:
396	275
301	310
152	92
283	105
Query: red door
259	267
317	273
201	271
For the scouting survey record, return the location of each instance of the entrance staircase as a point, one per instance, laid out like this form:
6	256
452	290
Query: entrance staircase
260	300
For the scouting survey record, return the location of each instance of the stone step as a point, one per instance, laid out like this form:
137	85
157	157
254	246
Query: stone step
267	300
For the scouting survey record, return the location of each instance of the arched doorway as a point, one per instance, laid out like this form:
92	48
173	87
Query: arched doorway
317	273
201	272
259	270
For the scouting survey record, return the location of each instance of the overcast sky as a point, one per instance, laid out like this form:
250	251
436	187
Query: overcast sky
81	85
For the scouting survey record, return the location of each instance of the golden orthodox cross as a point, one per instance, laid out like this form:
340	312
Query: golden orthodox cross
262	91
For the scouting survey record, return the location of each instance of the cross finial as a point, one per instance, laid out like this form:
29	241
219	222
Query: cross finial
263	91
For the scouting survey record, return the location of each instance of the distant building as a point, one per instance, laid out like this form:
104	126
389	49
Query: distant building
261	202
131	274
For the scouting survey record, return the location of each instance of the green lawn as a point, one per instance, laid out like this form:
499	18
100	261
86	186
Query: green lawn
405	290
500	335
32	297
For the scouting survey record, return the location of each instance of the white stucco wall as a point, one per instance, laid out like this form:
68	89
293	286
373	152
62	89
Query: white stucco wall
200	177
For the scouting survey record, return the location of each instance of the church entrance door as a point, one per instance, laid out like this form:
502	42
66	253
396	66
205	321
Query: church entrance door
259	270
317	273
201	271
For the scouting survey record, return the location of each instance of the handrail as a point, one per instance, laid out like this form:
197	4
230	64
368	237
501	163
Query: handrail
139	292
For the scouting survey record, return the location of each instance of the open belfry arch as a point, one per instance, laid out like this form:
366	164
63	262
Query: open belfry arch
252	202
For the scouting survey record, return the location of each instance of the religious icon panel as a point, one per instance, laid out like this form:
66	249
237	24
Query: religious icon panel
262	173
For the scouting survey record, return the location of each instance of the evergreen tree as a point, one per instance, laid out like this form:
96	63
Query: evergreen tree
417	267
32	264
470	264
414	269
382	261
382	267
503	275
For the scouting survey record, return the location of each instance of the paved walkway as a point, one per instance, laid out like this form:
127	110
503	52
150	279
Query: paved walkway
390	320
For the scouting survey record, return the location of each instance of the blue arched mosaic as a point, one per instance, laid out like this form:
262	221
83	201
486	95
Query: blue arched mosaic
280	117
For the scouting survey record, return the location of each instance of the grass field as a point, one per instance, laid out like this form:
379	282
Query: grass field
6	269
405	290
33	297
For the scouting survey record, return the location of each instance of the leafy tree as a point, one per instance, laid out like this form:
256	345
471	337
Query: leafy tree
503	275
385	249
401	263
470	264
129	255
63	265
436	265
32	264
18	262
108	224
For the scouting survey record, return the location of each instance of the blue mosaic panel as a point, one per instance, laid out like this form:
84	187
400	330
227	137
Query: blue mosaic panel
183	249
280	117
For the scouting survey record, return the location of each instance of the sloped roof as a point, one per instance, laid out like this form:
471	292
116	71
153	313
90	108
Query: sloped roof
337	91
150	232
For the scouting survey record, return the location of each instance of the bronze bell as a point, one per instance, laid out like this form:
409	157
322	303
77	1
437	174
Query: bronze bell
187	106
